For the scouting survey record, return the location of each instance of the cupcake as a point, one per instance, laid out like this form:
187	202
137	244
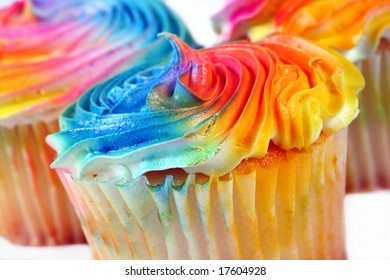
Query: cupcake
230	152
51	52
360	30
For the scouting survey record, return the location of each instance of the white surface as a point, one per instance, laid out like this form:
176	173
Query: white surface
368	225
5	2
9	251
367	215
196	14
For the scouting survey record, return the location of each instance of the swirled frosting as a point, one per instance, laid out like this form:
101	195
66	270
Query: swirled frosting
208	109
52	51
354	27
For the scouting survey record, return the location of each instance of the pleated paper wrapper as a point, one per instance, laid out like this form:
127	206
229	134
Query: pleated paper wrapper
34	207
369	135
288	205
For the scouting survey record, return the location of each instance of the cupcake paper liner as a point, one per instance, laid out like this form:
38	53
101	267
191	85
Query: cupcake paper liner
369	135
288	205
34	207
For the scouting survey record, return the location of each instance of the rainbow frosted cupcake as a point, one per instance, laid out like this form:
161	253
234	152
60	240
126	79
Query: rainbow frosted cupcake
360	30
231	152
51	52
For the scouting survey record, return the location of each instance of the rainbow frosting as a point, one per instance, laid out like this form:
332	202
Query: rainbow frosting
208	109
52	51
353	27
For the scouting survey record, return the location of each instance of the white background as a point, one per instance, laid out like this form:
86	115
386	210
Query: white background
367	215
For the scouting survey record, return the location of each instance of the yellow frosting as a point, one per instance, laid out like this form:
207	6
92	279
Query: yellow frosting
53	51
207	110
352	26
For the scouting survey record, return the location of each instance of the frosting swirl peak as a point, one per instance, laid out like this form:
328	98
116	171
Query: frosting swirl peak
208	109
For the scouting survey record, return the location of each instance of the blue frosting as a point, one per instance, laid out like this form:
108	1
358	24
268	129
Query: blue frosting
140	107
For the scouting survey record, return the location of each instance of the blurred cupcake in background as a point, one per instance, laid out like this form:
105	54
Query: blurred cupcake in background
50	53
360	30
230	152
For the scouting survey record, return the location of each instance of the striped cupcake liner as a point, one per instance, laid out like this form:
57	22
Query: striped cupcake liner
369	135
288	206
34	207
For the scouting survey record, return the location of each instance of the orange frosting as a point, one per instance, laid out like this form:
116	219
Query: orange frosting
209	109
346	25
